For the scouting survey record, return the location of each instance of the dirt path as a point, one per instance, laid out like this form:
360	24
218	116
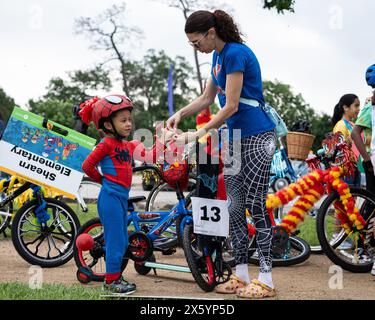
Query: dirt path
310	280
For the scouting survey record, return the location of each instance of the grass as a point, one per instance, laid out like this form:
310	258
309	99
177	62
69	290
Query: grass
84	216
19	291
308	231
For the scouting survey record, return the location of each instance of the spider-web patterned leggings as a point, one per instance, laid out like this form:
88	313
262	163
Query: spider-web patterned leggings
248	188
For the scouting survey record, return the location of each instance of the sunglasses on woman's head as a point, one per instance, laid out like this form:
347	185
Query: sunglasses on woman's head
195	44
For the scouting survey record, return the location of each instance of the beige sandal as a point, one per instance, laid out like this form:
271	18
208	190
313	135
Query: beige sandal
256	290
231	286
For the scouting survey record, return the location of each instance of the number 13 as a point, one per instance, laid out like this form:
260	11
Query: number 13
215	211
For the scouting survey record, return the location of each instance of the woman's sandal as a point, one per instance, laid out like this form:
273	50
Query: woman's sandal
231	286
256	290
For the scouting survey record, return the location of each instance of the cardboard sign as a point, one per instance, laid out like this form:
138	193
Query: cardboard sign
210	216
44	152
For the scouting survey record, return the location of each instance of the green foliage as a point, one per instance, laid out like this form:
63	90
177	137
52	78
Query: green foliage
149	91
62	94
6	105
320	126
279	5
293	108
147	84
79	84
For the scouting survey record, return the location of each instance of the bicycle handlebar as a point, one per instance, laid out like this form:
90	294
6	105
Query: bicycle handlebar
322	156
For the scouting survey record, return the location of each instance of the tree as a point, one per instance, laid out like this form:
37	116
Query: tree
108	33
62	94
148	82
80	83
279	5
290	106
293	108
320	126
6	105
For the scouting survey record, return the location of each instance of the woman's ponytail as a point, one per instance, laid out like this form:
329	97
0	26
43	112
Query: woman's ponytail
201	21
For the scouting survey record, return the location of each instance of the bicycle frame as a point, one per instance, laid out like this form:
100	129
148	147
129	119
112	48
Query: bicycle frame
163	219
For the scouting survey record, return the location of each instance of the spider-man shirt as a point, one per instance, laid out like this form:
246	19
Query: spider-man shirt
115	160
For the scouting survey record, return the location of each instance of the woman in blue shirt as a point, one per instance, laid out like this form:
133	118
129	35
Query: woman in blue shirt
236	79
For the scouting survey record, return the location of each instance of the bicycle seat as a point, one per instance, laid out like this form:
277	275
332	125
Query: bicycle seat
136	199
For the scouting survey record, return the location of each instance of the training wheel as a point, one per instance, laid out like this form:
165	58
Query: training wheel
141	268
84	275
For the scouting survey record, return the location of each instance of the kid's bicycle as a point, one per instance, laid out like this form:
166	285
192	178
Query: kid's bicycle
148	231
43	228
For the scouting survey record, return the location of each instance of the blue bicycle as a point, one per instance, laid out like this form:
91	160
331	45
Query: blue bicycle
283	172
149	231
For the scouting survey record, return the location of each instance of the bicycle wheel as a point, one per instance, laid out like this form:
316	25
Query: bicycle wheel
201	266
307	230
5	220
347	251
94	259
161	199
52	245
296	251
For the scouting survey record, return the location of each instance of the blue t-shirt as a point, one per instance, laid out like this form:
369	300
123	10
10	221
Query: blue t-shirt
239	57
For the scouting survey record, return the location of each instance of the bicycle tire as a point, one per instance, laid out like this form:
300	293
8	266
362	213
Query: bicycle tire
67	248
297	244
195	261
330	247
78	255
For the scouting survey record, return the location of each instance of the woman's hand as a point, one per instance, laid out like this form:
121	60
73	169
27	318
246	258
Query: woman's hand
187	137
173	121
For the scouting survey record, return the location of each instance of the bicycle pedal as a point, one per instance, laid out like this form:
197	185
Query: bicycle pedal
168	252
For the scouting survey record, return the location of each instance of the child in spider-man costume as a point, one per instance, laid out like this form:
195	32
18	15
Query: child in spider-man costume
112	114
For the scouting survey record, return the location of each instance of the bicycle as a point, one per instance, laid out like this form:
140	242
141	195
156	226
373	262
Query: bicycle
344	232
210	258
42	228
149	231
343	242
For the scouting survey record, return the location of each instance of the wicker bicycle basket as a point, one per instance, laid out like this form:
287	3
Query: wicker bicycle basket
299	145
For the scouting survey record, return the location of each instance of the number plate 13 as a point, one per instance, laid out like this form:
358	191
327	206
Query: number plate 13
210	216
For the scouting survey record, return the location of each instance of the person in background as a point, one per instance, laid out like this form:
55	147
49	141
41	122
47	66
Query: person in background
346	111
364	124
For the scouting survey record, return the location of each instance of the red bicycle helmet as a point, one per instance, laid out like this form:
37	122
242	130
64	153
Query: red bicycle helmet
97	109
